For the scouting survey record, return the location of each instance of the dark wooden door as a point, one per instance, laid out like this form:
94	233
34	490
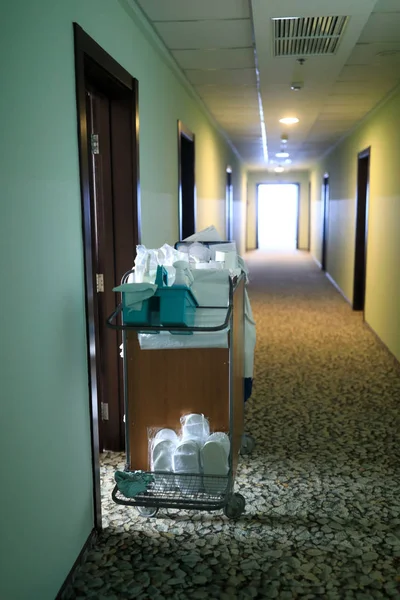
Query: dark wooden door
325	222
360	262
103	244
113	248
187	186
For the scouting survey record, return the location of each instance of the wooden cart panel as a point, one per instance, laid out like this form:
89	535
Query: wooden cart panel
164	385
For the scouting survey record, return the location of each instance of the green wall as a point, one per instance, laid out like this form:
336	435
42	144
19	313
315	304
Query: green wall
45	439
256	177
382	303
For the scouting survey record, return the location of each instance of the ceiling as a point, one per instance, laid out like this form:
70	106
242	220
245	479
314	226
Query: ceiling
226	50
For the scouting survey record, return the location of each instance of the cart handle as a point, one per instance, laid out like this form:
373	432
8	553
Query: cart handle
157	328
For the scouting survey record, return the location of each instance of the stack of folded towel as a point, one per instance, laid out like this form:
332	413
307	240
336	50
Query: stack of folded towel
195	452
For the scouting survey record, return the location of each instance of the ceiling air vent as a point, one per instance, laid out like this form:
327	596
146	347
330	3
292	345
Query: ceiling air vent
308	36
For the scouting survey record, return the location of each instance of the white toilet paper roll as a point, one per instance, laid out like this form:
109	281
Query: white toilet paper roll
186	460
222	439
195	427
215	466
162	460
166	434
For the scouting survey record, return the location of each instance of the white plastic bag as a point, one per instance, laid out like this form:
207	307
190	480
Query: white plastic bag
147	260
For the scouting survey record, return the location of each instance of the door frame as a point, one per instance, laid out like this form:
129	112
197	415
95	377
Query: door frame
298	185
111	73
325	221
229	204
309	217
185	132
360	241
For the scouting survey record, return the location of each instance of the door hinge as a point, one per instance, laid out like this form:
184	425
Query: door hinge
104	411
99	282
94	141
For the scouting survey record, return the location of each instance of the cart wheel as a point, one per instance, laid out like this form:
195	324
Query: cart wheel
248	444
235	506
147	511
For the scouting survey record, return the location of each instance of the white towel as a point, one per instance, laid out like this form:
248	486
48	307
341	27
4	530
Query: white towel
215	462
187	460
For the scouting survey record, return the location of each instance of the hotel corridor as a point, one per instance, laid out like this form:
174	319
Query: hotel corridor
322	486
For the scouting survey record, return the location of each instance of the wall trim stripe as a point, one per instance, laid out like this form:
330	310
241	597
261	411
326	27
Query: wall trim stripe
66	591
335	285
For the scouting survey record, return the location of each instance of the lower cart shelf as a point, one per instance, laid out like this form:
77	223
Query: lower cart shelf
185	491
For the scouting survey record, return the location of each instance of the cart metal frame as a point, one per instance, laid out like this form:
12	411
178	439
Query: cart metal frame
183	490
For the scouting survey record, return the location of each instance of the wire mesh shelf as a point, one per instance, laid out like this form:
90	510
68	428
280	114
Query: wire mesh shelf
181	490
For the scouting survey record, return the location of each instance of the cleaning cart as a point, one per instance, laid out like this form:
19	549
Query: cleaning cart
165	383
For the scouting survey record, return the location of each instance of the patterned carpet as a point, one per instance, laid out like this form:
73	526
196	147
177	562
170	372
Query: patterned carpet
322	486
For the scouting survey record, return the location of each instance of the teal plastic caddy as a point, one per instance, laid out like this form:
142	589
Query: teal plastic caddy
173	306
177	303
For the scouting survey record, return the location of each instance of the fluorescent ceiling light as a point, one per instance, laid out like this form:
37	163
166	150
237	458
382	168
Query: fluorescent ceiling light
264	137
289	120
282	154
279	169
288	161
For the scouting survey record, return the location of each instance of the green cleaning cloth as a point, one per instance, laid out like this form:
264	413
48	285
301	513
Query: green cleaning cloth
136	293
132	484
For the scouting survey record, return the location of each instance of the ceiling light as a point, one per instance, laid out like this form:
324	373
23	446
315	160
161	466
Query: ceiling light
288	161
282	154
279	169
289	120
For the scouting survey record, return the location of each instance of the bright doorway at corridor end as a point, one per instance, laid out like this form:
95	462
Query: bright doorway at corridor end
277	216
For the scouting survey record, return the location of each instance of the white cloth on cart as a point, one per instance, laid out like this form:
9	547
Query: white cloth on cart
210	234
211	287
202	339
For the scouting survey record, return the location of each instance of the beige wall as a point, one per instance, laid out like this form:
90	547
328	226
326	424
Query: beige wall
382	304
256	177
213	155
239	210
